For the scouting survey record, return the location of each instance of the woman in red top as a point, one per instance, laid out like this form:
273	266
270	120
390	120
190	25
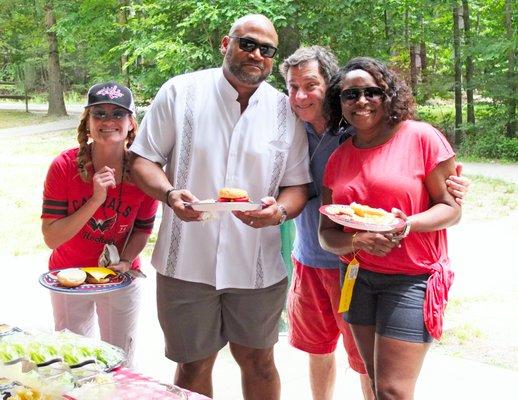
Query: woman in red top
89	200
392	162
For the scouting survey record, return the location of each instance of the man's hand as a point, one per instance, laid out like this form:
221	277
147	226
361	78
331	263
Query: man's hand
177	200
269	215
458	185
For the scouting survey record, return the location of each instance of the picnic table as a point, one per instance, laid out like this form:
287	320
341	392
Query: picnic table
131	385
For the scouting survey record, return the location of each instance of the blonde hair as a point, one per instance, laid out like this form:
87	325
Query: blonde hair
84	156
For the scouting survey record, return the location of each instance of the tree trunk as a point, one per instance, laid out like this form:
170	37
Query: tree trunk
424	71
458	73
469	66
122	19
414	67
407	33
511	56
55	89
388	33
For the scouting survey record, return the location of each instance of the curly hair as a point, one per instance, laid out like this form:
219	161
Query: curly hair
84	156
327	63
398	101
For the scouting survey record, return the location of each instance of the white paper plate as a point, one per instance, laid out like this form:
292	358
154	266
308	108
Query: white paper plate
362	226
225	206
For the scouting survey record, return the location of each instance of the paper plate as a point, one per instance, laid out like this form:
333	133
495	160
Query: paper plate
50	281
225	206
347	221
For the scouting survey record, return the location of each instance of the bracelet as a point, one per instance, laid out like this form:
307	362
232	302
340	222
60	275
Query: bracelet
407	228
284	214
167	195
404	233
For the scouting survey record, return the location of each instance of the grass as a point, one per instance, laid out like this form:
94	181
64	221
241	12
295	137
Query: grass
24	166
489	199
482	329
10	119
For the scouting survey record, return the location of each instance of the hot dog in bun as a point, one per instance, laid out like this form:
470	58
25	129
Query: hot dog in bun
228	194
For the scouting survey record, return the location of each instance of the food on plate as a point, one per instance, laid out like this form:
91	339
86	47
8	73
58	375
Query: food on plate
228	194
71	277
339	209
98	275
71	348
366	211
361	213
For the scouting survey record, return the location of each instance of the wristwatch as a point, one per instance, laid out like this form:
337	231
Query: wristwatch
284	214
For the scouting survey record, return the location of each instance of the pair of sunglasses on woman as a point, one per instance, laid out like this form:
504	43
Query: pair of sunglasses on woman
103	115
372	93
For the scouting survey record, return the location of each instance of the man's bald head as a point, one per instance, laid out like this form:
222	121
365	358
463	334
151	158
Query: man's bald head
258	20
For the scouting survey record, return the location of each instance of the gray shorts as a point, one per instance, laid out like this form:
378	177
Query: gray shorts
198	320
393	303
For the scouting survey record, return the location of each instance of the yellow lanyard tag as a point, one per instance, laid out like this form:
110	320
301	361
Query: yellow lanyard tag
347	289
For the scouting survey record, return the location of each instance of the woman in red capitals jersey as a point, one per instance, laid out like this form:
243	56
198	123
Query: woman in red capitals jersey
89	200
391	162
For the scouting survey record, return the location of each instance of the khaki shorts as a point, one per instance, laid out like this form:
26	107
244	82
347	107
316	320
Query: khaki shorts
198	320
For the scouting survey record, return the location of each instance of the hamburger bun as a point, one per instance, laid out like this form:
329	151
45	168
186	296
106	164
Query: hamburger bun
71	277
232	194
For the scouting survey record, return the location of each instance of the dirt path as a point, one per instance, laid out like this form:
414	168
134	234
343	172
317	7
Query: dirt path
506	172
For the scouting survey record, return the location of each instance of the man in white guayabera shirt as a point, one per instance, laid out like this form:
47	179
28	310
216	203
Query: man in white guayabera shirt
223	281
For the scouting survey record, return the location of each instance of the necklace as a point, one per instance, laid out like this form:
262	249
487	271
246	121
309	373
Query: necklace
317	146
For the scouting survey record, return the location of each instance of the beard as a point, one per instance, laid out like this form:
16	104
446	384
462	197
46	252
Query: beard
237	69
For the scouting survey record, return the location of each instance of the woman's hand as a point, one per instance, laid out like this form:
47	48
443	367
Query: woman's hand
398	234
121	266
373	243
102	180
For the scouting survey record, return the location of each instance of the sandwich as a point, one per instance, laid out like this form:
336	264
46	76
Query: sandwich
71	277
97	275
228	194
361	213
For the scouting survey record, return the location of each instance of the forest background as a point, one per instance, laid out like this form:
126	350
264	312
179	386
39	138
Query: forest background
458	56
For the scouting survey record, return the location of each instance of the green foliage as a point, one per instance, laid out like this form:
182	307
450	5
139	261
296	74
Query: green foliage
145	42
490	146
486	141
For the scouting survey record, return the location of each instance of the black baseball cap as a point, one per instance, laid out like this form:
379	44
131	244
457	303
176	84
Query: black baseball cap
111	93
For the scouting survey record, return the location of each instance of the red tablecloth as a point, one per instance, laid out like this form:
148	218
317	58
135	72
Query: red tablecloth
130	385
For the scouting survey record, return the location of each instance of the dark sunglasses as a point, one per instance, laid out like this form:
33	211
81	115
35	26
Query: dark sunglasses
372	93
103	115
250	45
